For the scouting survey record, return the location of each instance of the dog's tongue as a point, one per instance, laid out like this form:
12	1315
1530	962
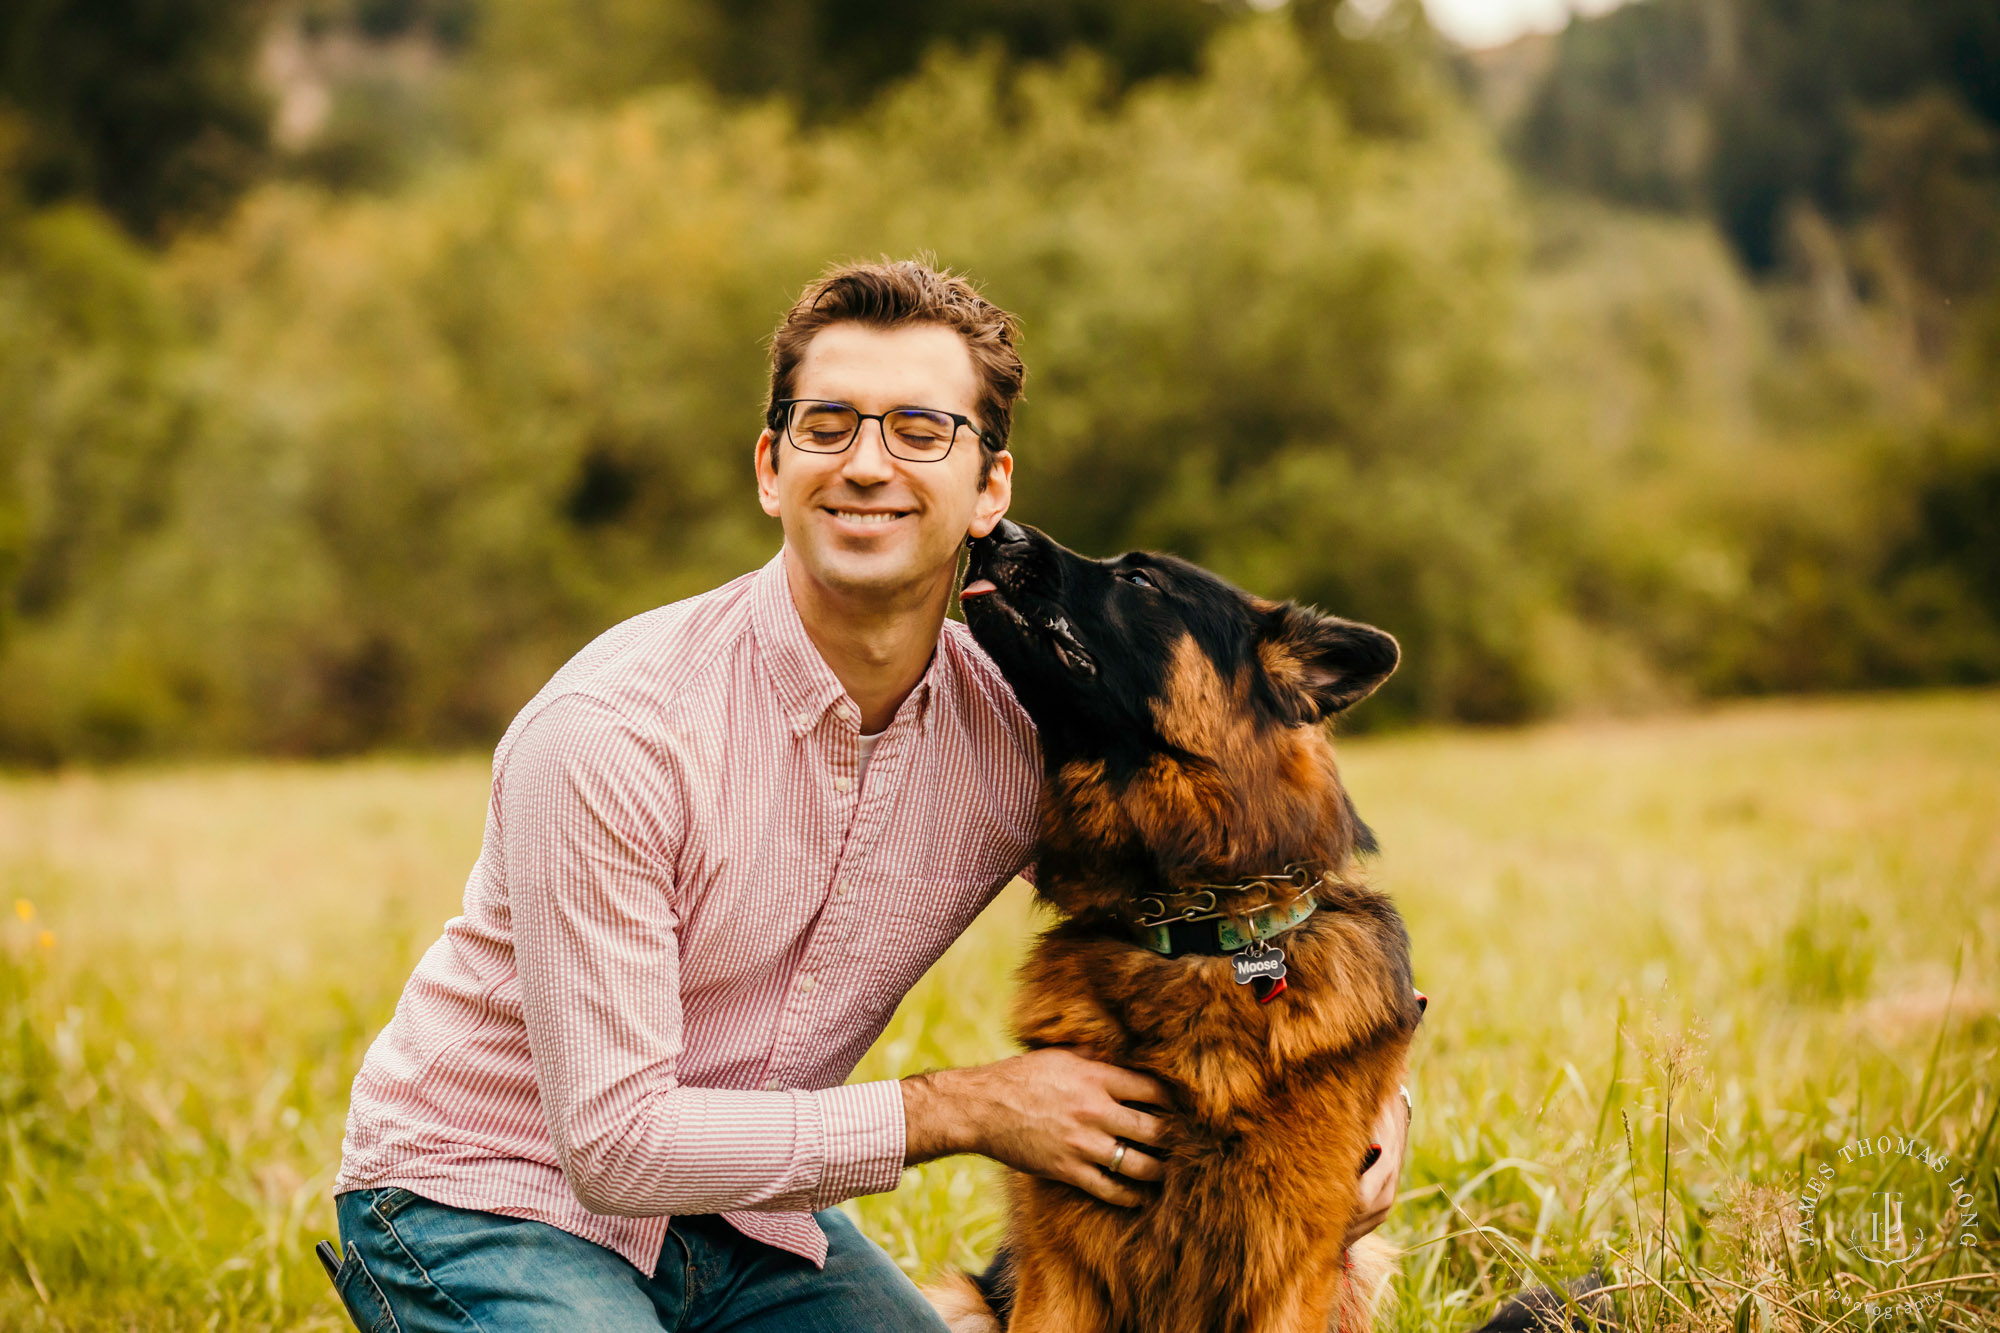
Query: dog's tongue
978	588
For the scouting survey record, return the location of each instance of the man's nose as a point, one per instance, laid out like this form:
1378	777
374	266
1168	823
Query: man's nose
868	458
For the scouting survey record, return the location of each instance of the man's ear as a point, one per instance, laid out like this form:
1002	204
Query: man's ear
996	492
1319	664
766	463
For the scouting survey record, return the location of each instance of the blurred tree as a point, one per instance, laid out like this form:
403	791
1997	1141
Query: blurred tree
825	56
148	107
360	468
1740	107
1930	172
92	425
1621	113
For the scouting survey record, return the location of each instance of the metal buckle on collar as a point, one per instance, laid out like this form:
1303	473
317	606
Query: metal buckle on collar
1201	902
1242	928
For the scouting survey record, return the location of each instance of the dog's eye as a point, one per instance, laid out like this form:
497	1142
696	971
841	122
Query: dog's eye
1137	579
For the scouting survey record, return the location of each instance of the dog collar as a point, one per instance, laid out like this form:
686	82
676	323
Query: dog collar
1214	932
1193	922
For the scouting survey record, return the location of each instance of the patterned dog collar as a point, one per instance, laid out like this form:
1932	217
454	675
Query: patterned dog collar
1215	932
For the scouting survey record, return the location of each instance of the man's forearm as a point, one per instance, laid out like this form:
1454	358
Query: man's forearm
942	1109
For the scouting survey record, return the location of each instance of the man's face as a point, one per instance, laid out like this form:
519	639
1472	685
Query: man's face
865	522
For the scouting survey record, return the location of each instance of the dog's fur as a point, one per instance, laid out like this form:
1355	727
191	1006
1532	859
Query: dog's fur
1181	725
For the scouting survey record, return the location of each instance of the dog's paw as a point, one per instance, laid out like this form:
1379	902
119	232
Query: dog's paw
1583	1306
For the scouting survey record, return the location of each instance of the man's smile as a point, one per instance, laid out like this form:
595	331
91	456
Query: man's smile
866	517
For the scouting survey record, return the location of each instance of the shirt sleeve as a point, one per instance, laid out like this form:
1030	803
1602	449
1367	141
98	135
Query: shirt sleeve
592	817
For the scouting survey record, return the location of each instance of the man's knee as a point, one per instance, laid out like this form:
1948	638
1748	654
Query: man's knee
875	1284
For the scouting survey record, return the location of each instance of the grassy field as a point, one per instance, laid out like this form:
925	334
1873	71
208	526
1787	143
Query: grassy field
1675	966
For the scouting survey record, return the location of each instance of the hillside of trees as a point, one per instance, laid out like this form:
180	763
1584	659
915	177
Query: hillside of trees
361	359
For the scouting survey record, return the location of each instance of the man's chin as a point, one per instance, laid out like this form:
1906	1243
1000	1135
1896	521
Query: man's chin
868	574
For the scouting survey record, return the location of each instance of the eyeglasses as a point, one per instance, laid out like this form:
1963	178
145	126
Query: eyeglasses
913	434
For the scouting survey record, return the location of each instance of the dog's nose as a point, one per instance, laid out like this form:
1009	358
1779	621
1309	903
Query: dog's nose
999	556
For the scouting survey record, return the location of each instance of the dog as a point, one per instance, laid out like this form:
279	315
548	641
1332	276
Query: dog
1196	839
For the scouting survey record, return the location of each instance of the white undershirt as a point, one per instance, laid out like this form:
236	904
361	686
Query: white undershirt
867	748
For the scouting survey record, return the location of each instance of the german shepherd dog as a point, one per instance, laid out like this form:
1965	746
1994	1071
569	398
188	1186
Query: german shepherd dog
1197	841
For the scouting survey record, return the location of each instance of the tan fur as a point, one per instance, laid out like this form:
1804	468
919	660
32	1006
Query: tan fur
960	1305
1275	1104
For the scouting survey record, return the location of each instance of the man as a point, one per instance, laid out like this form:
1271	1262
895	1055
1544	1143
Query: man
723	842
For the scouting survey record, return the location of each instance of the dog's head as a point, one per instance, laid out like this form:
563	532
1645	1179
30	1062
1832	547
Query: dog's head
1179	716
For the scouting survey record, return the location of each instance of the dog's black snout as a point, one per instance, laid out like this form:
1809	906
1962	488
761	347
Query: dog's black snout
1002	553
1008	533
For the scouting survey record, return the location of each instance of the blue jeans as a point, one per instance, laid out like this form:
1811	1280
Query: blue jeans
414	1266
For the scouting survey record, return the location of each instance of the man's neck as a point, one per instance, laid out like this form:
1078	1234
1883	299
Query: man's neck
879	646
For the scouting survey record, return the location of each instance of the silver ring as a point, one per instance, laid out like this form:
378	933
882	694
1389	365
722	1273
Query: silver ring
1117	1158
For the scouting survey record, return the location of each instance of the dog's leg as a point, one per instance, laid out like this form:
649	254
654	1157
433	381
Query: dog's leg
1056	1298
1304	1297
1306	1308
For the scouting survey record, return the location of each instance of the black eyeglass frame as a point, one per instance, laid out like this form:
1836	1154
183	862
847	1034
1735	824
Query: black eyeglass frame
781	419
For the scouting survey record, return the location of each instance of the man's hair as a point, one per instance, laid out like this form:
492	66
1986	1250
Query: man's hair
908	291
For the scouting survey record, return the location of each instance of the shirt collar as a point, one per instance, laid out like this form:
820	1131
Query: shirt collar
806	685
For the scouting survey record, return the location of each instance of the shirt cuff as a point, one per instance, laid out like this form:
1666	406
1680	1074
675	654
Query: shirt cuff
865	1135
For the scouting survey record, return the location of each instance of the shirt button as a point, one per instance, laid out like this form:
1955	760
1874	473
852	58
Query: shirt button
840	888
803	718
806	984
841	784
774	1085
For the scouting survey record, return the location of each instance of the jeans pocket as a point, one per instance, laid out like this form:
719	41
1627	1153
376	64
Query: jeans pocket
388	1202
356	1288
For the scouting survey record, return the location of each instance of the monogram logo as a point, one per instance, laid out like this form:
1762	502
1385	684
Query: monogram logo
1878	1205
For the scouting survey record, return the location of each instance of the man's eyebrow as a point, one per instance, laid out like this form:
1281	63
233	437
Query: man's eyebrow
893	407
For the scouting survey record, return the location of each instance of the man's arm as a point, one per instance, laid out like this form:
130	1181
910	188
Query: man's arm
1050	1113
591	822
1054	1113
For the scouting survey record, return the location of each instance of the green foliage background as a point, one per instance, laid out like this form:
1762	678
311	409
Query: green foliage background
363	461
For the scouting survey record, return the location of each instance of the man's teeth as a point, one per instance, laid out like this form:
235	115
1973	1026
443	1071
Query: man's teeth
855	516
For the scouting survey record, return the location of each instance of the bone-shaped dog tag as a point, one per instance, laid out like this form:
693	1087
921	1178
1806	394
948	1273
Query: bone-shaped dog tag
1268	963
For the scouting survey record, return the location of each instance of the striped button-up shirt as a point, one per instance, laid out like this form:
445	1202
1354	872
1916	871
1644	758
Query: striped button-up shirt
689	919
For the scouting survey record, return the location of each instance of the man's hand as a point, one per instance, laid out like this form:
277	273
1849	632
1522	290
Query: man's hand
1050	1113
1379	1182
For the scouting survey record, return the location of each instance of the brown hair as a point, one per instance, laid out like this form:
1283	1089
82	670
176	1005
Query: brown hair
908	291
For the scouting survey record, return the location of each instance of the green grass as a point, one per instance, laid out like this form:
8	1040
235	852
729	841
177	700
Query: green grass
1674	965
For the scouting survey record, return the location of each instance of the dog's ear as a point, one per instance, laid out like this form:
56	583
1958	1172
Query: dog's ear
1319	664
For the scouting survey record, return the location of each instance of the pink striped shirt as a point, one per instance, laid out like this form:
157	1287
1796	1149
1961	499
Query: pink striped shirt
688	920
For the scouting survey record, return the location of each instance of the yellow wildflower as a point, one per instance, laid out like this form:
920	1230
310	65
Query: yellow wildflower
47	939
24	909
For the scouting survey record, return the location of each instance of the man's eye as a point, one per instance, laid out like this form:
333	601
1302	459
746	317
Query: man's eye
1137	579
